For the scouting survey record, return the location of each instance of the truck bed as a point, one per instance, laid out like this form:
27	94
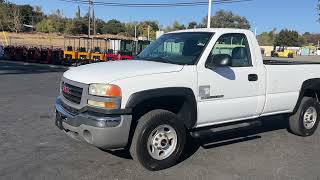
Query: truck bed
287	62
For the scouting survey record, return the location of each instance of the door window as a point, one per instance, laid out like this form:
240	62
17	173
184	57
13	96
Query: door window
236	46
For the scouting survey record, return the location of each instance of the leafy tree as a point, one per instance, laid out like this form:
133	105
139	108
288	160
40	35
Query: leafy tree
4	17
287	38
145	25
79	26
129	29
267	38
16	18
227	19
113	26
175	26
192	25
55	22
12	16
31	15
78	14
46	26
311	39
99	26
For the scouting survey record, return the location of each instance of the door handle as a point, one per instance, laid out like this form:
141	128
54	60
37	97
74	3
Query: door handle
252	77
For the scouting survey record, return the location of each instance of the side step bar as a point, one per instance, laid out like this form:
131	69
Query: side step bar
225	128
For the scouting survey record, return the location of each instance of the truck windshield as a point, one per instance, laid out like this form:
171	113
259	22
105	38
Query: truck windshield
177	48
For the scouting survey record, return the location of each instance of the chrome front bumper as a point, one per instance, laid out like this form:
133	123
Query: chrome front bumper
107	130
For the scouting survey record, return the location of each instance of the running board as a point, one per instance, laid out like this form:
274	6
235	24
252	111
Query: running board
225	128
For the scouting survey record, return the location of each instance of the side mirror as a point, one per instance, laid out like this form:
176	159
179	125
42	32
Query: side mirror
219	60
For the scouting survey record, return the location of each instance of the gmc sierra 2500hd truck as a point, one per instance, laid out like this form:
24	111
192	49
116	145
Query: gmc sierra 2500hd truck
184	81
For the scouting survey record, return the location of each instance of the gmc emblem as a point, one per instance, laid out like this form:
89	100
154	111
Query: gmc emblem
66	90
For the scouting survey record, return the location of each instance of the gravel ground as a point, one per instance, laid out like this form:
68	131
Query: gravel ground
33	148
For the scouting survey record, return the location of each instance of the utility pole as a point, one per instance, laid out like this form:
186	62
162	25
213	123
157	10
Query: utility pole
89	19
94	22
148	33
135	32
209	14
135	38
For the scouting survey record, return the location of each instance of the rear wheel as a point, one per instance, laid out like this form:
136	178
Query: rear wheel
159	140
305	121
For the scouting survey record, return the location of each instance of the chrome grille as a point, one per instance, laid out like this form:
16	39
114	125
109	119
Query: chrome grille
70	109
71	93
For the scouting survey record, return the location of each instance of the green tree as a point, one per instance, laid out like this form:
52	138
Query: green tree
192	25
55	22
78	14
99	26
227	19
46	26
145	25
113	26
129	29
175	26
31	15
287	38
267	38
12	16
15	22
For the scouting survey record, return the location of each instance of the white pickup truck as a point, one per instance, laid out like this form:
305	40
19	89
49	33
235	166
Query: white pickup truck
184	81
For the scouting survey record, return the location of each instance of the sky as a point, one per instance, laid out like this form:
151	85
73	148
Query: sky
264	15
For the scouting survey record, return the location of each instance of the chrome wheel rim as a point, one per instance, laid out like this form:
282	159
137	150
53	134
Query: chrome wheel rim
162	142
310	118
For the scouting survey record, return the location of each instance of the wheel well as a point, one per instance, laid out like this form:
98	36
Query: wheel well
177	104
312	93
309	88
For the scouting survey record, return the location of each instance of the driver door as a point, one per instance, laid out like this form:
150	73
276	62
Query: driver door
228	93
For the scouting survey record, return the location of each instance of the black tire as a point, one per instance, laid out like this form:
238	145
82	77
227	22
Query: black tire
296	121
146	124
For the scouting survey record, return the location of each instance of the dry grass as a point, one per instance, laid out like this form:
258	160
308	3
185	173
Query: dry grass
41	39
32	39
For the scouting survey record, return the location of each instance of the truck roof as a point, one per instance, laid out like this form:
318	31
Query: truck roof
214	30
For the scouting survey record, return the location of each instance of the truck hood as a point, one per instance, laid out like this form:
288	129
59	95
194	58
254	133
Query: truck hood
107	72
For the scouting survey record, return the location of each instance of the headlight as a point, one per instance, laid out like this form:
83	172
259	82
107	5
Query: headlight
106	90
110	96
108	105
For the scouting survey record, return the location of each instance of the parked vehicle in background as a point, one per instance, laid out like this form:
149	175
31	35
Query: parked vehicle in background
1	52
9	52
46	55
282	52
124	49
119	49
318	51
97	53
185	81
140	46
69	53
33	55
21	53
57	56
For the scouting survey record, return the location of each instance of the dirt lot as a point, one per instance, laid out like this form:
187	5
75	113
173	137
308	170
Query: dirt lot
33	148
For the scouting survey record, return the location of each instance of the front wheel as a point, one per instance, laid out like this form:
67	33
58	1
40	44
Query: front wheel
159	140
305	121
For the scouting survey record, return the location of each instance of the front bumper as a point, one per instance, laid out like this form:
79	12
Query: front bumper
109	130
